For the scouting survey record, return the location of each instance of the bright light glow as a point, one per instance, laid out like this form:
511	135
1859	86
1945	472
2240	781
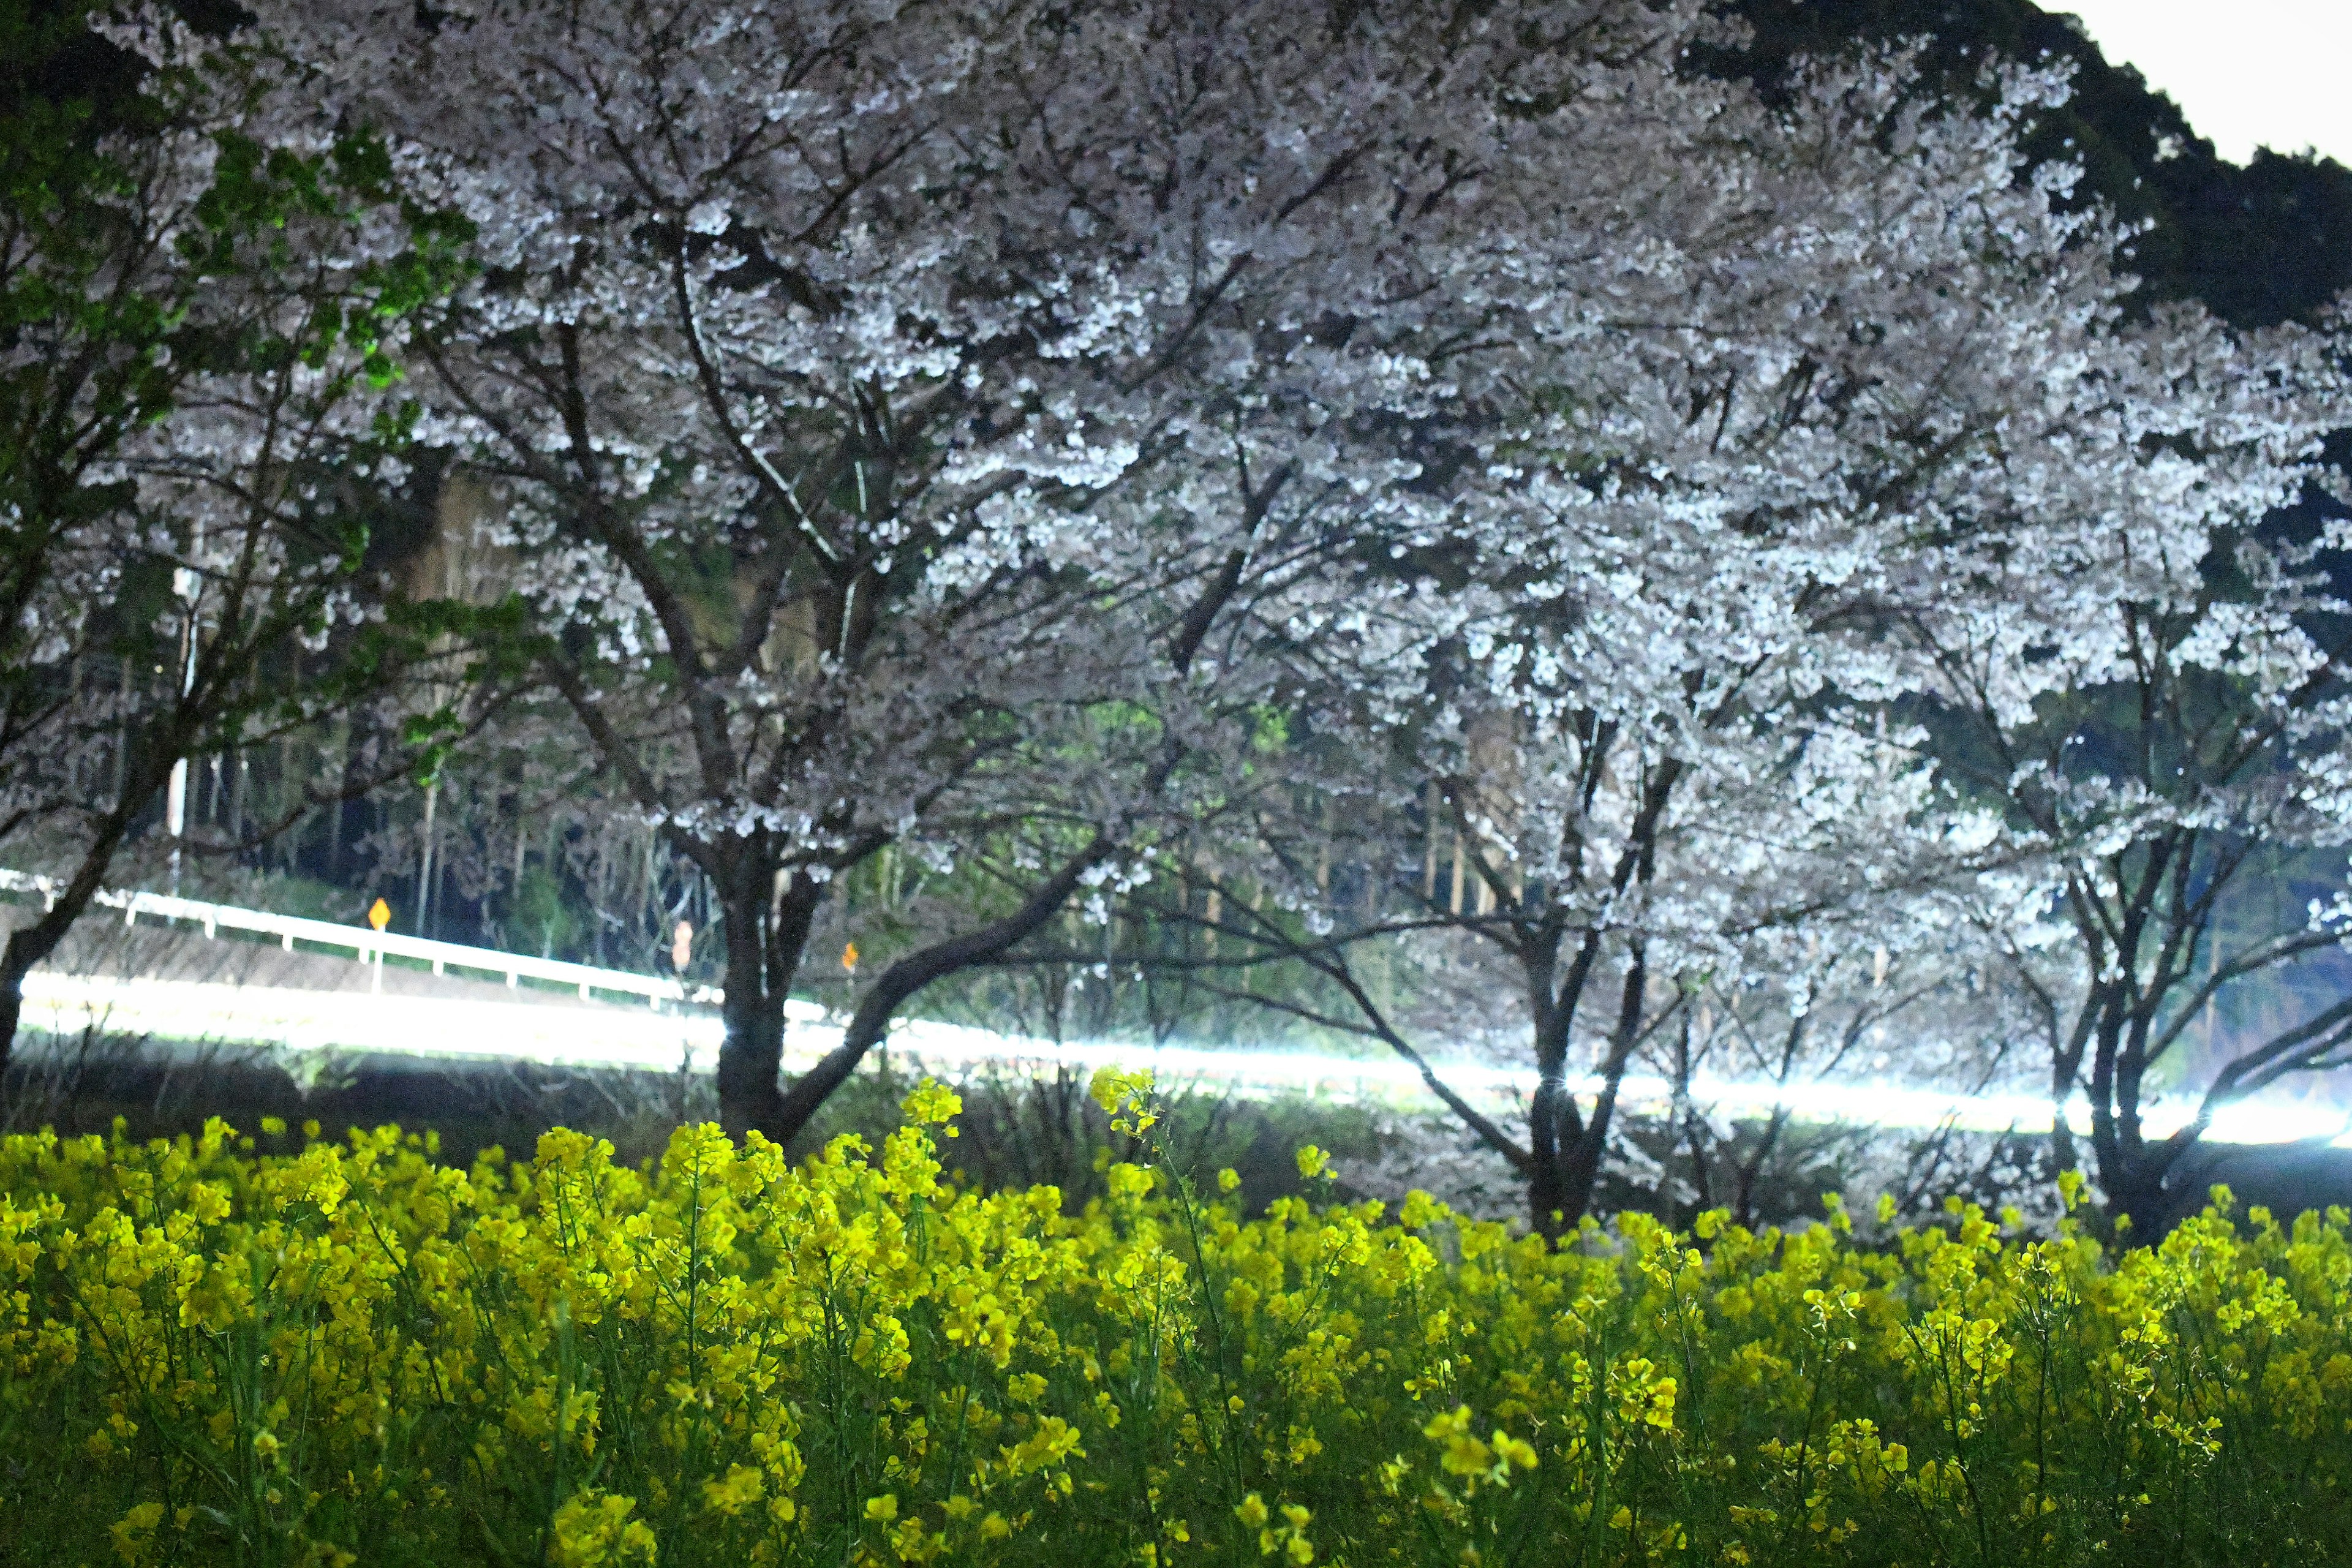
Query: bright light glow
307	1023
2252	73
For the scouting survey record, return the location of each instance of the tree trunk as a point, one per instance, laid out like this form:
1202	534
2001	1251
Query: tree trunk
1553	1206
1547	1201
910	975
1562	1172
1559	1189
766	935
142	779
1580	1173
2133	1172
28	946
425	863
2136	1198
12	1008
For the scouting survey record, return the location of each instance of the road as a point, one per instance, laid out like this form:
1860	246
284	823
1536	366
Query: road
169	983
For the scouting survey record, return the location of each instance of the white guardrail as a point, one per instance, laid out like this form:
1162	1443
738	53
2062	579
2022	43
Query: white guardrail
372	947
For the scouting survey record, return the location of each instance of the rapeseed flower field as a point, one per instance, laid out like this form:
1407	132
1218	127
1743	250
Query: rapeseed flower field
281	1351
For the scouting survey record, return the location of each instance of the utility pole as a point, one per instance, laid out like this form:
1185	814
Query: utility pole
189	588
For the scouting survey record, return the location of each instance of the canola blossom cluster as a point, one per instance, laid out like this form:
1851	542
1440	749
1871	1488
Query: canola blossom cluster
285	1350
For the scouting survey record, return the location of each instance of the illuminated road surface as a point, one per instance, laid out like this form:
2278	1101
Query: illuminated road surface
642	1038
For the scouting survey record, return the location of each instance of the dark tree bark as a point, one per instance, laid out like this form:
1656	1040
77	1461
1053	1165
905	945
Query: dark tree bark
766	933
900	982
29	946
1568	1145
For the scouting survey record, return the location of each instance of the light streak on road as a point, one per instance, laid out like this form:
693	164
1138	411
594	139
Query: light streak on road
453	1032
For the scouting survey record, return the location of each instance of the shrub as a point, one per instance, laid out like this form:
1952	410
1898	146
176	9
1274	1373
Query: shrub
322	1353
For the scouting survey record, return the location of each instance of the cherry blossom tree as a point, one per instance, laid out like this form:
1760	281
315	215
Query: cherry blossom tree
913	423
1869	389
194	336
1026	438
2168	749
